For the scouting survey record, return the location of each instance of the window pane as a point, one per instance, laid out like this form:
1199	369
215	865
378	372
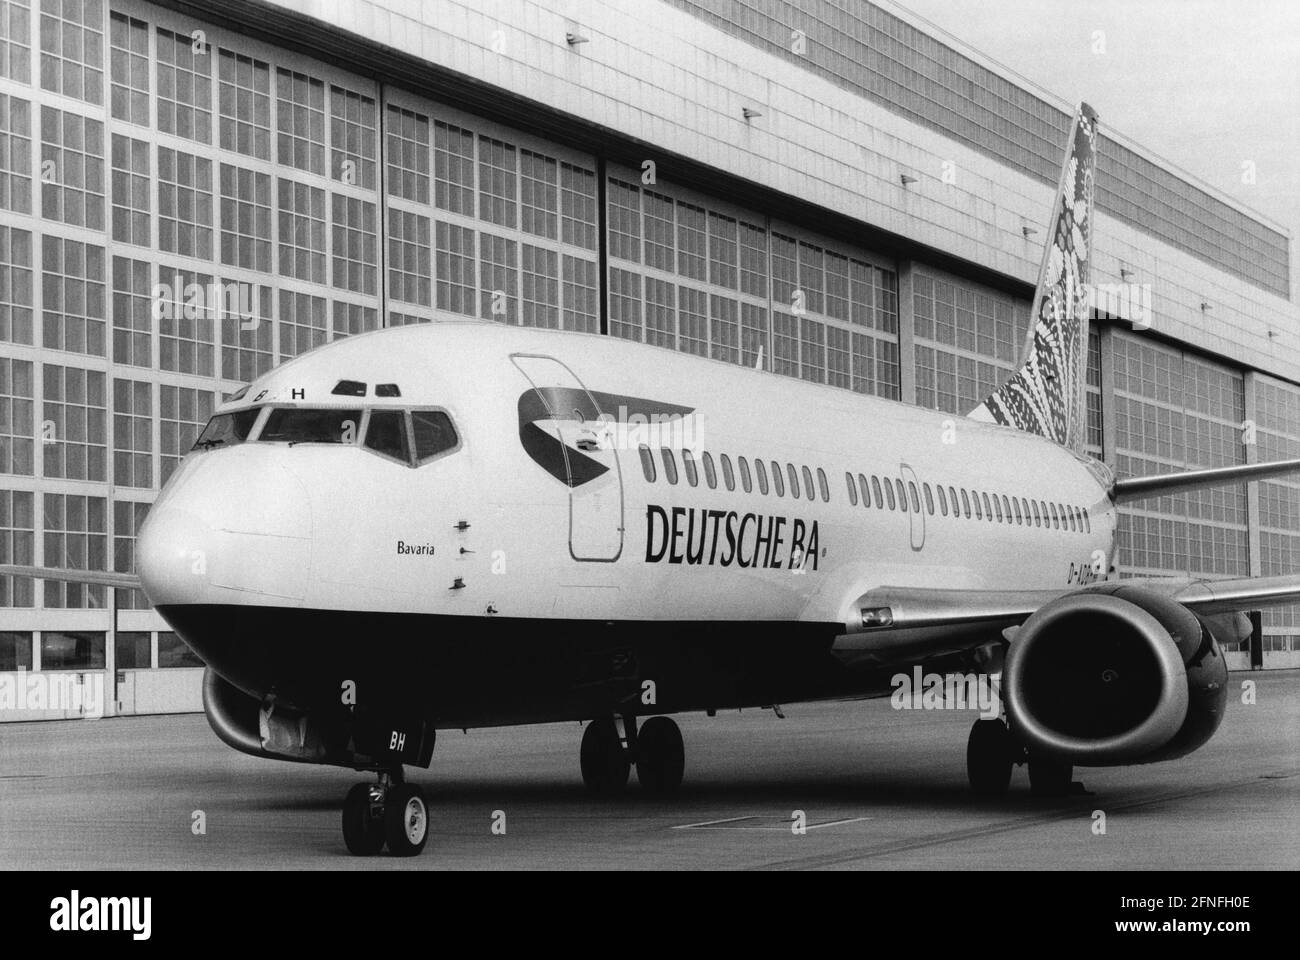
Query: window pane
386	434
434	433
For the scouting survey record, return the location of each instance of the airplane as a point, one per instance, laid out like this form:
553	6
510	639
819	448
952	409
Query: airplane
467	524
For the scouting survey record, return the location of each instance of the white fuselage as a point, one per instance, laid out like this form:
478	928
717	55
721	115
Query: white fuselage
487	531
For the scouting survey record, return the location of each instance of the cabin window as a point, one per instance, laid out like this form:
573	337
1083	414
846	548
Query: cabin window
1087	521
853	489
777	483
929	499
902	495
916	501
710	475
1025	504
1015	502
979	514
688	468
794	480
988	513
875	489
647	463
1038	520
952	498
889	492
808	490
433	433
866	491
728	477
745	482
386	434
943	500
1074	519
227	429
670	465
760	470
965	504
301	425
997	507
1006	507
1056	519
823	486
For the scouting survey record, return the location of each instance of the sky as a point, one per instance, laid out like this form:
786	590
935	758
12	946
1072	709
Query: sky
1203	84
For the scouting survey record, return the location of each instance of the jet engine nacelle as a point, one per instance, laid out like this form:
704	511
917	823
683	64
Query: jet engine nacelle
1114	675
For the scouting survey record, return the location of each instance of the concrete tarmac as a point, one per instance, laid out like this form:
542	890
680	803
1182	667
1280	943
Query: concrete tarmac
878	788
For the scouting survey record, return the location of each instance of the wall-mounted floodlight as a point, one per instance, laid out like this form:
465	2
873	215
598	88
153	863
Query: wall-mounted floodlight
1206	307
573	39
1028	231
1126	273
750	113
906	179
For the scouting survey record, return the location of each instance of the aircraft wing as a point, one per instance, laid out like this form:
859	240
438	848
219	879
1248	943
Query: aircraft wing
892	624
100	578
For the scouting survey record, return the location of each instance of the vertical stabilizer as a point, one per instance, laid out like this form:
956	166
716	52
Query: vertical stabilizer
1046	395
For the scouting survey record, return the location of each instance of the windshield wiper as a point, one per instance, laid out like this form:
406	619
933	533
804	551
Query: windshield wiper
208	444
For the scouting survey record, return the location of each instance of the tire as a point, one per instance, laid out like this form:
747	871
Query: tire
989	758
661	756
603	760
1049	777
406	820
363	833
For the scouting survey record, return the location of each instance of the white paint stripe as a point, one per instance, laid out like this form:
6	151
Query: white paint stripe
710	823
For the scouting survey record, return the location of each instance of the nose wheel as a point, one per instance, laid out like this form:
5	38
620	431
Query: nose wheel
387	812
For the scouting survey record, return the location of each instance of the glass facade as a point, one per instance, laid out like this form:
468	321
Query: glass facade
1175	411
138	164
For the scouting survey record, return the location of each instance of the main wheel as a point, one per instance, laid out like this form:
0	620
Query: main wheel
660	755
363	832
989	757
1049	777
602	757
406	820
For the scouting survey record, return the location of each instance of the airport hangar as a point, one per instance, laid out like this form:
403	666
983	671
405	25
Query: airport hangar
831	185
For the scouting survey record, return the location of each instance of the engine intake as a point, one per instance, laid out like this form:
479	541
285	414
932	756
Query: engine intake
1114	675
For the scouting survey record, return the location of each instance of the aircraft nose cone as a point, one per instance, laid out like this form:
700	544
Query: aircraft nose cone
233	527
172	555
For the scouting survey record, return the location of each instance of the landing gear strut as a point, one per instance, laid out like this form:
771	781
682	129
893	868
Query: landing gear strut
388	811
608	754
991	752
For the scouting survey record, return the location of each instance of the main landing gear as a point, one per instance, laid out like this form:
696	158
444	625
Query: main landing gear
991	752
388	811
611	746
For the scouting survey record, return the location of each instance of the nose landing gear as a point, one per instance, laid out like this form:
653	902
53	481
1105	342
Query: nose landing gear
388	811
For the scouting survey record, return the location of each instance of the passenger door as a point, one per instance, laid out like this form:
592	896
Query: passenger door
567	417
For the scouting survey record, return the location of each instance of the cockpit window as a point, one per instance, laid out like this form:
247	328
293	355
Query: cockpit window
301	425
434	433
227	429
386	434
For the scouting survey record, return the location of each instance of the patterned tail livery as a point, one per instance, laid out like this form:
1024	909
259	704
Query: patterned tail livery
1046	395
